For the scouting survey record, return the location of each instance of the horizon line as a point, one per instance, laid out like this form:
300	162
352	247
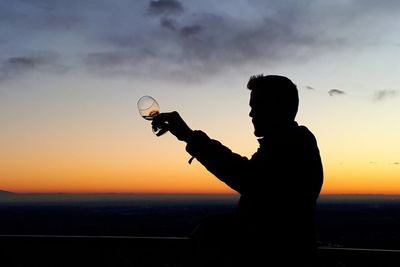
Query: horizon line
176	193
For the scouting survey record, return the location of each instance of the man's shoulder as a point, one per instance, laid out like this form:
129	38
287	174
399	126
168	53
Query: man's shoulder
303	129
305	134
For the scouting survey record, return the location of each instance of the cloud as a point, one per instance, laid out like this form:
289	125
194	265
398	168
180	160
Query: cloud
32	17
13	66
205	39
207	43
396	163
384	94
169	23
185	31
22	63
197	38
191	30
334	92
106	59
165	7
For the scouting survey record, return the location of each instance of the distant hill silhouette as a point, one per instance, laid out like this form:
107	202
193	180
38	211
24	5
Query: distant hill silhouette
6	193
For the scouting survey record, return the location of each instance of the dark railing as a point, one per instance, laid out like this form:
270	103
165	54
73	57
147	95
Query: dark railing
21	251
357	257
113	251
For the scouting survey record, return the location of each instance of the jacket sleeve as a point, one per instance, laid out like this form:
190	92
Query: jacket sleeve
226	165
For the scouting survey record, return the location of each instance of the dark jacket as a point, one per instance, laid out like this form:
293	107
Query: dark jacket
279	185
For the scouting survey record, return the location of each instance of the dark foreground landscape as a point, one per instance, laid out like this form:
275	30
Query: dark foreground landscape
97	230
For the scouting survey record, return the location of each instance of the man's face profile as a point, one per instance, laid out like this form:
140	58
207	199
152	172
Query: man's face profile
257	113
273	102
265	113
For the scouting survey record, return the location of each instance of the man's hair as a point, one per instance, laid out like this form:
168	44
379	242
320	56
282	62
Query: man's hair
279	88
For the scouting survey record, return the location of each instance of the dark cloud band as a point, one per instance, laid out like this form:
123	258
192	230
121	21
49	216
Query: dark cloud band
165	7
193	38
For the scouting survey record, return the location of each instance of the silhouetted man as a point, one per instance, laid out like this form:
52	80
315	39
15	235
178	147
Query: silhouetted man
279	186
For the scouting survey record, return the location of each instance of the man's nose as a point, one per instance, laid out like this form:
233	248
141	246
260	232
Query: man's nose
251	113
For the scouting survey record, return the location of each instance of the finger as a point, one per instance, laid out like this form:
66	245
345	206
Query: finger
154	127
156	120
157	126
160	119
163	116
155	123
161	132
159	123
162	129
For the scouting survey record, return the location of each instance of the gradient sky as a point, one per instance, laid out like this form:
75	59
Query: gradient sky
72	71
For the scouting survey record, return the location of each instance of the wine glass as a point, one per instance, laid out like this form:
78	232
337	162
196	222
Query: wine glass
148	109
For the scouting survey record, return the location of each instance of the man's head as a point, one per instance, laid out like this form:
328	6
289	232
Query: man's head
274	102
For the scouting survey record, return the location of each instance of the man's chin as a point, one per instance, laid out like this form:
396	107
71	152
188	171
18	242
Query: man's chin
258	134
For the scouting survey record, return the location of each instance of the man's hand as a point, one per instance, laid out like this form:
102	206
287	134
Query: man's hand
173	122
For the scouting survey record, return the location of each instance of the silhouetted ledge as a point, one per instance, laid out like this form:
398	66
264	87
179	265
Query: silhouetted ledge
33	250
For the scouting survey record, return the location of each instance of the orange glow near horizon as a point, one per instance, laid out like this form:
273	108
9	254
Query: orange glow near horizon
121	168
179	178
106	149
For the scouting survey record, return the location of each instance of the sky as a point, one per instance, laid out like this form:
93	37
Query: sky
71	73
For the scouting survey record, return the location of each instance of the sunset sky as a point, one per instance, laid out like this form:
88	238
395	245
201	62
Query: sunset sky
71	73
